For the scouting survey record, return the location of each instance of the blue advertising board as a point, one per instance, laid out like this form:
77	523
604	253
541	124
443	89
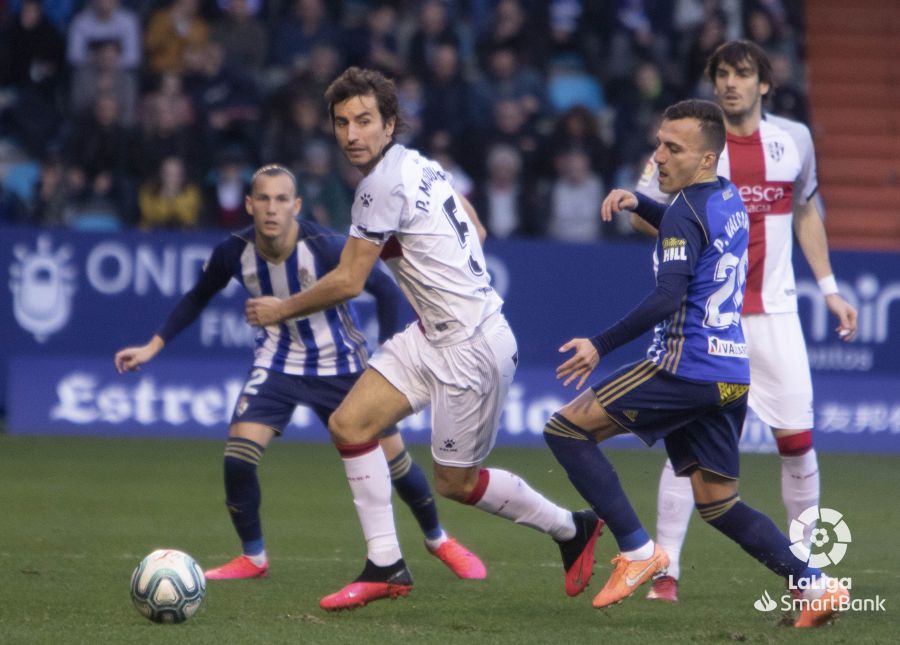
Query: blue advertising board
76	297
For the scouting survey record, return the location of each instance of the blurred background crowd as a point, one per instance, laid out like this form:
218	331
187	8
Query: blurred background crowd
150	114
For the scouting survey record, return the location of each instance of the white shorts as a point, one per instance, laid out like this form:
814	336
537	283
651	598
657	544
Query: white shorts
781	391
465	383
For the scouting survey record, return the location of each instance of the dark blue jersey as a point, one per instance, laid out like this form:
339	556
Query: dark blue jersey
326	343
704	234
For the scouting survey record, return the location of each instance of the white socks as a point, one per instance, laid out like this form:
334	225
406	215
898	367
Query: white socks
673	514
434	544
641	553
800	485
370	482
259	559
508	496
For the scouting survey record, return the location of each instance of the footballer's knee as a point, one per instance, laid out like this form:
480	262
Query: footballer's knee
455	483
710	488
345	428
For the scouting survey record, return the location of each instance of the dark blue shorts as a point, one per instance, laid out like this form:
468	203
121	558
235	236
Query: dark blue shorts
700	423
269	397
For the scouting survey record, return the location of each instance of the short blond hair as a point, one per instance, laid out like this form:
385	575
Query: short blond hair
273	170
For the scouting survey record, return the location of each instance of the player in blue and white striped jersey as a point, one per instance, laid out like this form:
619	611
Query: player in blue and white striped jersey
312	360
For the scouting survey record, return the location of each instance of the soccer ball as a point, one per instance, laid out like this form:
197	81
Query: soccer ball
168	586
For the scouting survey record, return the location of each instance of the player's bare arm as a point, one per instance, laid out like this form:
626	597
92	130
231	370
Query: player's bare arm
473	217
813	241
579	365
346	281
641	225
131	358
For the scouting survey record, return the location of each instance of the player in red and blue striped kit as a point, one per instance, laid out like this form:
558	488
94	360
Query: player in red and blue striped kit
691	391
313	360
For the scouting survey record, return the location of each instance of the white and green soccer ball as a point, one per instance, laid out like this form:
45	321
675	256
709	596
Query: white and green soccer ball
168	586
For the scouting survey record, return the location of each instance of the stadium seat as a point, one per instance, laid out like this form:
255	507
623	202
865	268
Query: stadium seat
98	222
569	90
21	179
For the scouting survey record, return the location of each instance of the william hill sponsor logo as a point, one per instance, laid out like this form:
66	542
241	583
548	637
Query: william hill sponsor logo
727	348
674	249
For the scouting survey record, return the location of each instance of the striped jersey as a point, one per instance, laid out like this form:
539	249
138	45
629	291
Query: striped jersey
325	343
775	169
704	234
407	205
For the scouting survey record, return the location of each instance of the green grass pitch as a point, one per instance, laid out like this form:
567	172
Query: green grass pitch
76	516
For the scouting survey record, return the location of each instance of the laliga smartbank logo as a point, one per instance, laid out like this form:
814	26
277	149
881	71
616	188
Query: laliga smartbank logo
828	533
819	536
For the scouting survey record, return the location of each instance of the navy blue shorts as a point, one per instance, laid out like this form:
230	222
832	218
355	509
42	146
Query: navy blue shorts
269	397
700	423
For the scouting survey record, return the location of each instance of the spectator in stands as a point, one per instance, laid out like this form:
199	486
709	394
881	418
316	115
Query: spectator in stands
510	126
105	20
224	195
765	24
574	199
645	31
169	200
58	12
51	204
563	17
577	127
226	103
31	48
703	42
325	63
639	102
502	199
509	27
299	120
507	78
374	45
31	65
168	131
324	198
101	151
787	100
105	75
11	209
453	105
411	99
169	95
172	34
594	36
435	32
243	35
308	25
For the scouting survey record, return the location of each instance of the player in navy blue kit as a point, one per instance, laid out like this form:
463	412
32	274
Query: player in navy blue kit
691	391
313	361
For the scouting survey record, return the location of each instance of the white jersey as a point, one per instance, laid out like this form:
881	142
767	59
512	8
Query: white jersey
407	204
775	169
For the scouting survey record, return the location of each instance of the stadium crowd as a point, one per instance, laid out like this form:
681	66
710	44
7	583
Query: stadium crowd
122	113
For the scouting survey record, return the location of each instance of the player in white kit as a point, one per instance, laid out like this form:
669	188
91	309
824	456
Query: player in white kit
772	162
460	357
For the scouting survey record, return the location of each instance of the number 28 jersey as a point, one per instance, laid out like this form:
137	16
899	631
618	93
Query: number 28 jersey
704	233
407	205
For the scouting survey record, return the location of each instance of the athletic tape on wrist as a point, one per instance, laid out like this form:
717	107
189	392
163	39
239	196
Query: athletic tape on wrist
828	285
